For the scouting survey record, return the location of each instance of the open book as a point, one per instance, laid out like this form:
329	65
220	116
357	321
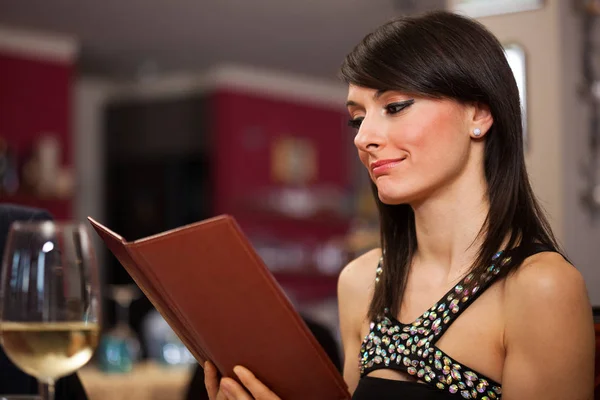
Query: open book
218	296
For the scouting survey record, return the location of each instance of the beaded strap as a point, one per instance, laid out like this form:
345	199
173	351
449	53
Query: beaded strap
411	347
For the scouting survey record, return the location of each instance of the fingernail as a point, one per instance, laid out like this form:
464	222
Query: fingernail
238	370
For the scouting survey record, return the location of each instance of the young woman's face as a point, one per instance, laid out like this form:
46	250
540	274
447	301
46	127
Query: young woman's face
413	147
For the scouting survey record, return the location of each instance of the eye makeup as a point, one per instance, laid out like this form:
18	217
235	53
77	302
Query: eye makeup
389	109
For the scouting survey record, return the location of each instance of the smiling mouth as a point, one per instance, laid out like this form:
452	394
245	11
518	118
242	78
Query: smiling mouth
380	168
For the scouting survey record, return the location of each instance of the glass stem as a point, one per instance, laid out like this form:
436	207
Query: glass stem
47	389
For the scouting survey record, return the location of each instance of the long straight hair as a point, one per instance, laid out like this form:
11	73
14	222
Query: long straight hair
444	55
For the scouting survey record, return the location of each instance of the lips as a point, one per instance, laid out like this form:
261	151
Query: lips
381	166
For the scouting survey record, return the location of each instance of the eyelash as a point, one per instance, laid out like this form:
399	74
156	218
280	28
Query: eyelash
355	123
391	109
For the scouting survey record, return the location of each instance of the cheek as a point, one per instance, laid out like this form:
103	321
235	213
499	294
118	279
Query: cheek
436	139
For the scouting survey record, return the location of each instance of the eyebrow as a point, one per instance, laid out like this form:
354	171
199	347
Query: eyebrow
376	96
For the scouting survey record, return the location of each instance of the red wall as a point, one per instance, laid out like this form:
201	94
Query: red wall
246	124
243	129
35	98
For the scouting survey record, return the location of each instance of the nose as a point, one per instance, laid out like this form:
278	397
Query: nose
369	136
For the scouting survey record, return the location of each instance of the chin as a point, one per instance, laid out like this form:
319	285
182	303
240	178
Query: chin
396	194
393	199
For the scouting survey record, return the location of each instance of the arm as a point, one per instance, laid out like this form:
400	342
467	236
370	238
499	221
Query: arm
549	334
355	289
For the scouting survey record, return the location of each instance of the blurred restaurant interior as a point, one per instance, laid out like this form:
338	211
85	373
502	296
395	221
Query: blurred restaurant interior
150	115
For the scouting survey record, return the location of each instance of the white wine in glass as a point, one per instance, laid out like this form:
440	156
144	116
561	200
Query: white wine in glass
50	309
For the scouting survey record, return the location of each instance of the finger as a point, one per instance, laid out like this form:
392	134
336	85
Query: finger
256	387
211	380
233	390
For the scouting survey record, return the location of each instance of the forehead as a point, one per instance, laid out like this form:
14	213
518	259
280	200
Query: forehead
360	91
361	94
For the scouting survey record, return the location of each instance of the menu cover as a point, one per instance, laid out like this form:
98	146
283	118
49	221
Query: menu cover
219	297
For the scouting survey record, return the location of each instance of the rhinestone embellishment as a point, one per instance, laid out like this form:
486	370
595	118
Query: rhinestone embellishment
411	347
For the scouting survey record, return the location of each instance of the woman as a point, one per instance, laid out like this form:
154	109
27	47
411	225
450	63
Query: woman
489	307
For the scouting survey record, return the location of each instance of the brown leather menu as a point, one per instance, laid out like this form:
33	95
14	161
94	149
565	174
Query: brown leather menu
216	293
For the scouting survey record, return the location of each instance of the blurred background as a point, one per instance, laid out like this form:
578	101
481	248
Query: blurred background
148	115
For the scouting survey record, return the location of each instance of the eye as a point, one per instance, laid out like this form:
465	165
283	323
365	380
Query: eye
394	108
355	123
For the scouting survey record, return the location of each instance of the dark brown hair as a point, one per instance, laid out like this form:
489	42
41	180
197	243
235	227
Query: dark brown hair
444	55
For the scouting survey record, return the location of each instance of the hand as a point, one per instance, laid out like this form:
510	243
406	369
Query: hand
229	389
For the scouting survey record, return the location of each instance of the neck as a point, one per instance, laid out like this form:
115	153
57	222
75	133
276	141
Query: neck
448	227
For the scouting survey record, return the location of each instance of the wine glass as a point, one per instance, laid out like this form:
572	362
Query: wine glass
50	300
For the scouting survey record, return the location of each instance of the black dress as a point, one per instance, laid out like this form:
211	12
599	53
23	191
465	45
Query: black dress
411	348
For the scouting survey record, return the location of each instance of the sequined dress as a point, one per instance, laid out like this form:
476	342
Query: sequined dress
411	348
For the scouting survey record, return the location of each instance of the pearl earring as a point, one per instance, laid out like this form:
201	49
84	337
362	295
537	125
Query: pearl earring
477	132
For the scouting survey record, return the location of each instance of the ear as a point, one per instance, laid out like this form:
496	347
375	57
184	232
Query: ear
480	120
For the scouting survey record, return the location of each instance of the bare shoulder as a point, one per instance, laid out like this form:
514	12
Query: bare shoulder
355	287
549	291
355	290
542	298
546	277
359	274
